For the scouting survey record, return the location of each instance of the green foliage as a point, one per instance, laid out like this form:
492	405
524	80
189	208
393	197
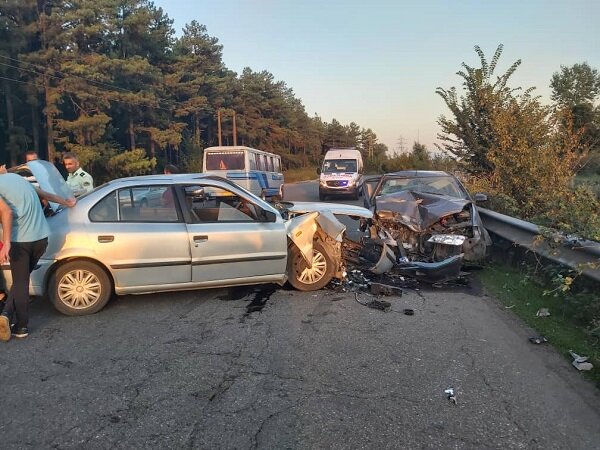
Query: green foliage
575	85
104	77
131	162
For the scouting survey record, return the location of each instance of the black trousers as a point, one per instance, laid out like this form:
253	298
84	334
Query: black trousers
24	256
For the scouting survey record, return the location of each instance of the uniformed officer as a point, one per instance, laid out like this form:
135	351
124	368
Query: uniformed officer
79	180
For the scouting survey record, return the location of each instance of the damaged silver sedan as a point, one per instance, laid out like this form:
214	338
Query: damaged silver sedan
200	232
427	216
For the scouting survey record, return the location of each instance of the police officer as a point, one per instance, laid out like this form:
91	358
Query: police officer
79	180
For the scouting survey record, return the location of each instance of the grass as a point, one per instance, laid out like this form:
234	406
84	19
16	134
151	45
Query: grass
591	180
525	297
303	174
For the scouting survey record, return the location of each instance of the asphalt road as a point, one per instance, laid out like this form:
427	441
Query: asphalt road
308	370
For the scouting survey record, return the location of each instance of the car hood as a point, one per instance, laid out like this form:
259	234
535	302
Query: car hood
418	210
335	208
50	180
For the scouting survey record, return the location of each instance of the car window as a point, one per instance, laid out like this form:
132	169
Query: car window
137	204
208	204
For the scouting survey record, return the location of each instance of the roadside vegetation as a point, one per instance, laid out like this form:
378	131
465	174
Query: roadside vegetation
574	321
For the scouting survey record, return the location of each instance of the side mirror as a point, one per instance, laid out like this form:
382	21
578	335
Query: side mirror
269	216
199	194
480	197
318	171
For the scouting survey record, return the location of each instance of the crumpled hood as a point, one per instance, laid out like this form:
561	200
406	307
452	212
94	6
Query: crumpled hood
335	208
418	210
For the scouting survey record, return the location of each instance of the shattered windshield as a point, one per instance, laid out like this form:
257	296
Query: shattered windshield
431	185
339	165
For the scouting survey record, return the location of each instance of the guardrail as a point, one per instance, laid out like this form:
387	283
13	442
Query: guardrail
573	253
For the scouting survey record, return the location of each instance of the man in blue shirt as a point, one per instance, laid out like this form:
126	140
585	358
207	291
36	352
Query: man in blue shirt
24	241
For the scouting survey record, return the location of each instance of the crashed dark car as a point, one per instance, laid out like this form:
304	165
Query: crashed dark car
429	214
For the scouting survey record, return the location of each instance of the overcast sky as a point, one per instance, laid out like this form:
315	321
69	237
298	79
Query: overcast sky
378	62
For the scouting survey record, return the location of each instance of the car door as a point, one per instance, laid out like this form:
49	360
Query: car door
231	238
145	246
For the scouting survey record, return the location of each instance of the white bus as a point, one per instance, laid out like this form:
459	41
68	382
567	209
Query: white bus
255	170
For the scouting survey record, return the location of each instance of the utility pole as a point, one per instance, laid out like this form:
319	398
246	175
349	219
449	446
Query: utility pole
234	130
219	130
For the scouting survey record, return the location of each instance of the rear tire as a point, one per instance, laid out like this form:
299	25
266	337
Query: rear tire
78	288
309	279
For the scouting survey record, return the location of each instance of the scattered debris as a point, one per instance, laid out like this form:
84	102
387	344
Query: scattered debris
381	305
510	307
385	289
409	312
580	362
450	395
542	312
538	339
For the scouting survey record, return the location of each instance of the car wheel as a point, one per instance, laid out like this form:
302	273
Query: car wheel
316	277
78	288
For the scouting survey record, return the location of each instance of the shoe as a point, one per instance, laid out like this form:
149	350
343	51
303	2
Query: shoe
20	332
4	328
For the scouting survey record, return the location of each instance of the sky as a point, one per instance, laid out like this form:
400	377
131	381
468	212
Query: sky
379	62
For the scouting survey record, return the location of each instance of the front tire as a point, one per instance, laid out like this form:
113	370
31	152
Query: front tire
314	278
78	288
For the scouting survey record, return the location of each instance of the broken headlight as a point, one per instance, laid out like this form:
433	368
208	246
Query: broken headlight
447	239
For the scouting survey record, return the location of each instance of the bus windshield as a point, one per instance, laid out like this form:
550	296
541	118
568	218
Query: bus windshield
225	161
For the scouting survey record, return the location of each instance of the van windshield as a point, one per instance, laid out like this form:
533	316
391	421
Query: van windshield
225	161
339	165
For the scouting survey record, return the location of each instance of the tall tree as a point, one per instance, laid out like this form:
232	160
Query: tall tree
575	85
469	135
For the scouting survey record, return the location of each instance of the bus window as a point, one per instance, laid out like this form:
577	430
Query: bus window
277	164
259	166
265	166
252	162
225	161
270	161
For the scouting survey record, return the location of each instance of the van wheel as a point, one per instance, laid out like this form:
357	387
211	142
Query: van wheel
322	197
80	287
314	278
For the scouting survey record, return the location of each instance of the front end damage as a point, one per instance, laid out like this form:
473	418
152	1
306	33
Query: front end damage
430	227
378	250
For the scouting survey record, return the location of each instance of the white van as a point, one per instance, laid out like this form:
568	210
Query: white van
341	173
255	170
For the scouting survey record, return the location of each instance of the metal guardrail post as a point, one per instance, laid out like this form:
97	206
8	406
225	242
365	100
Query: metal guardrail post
574	254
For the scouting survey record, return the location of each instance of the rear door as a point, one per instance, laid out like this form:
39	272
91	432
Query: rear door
229	238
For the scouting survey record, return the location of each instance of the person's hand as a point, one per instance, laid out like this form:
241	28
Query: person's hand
3	168
70	202
4	250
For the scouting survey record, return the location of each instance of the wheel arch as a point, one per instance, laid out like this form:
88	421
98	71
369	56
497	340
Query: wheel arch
69	259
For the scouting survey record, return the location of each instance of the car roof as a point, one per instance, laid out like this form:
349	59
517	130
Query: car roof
418	173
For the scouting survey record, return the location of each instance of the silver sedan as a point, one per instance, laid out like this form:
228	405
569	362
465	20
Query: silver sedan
197	231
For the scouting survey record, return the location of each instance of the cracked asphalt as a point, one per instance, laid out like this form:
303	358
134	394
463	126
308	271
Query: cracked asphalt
311	370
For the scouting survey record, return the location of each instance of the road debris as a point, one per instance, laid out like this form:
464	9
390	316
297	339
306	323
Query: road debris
409	312
538	339
580	362
450	395
542	312
381	305
385	289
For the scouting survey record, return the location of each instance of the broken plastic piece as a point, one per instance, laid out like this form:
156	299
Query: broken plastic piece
450	394
538	339
409	312
577	358
542	312
582	365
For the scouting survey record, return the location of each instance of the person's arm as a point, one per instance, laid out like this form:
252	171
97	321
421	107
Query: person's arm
6	219
68	202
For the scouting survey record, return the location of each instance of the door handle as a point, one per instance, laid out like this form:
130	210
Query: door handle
105	239
200	239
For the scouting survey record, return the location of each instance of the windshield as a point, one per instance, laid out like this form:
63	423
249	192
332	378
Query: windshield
225	161
339	165
431	185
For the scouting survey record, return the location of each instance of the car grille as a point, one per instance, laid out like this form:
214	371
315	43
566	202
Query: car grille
337	183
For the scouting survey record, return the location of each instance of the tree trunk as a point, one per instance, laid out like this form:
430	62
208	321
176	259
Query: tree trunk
35	126
131	135
196	130
49	124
